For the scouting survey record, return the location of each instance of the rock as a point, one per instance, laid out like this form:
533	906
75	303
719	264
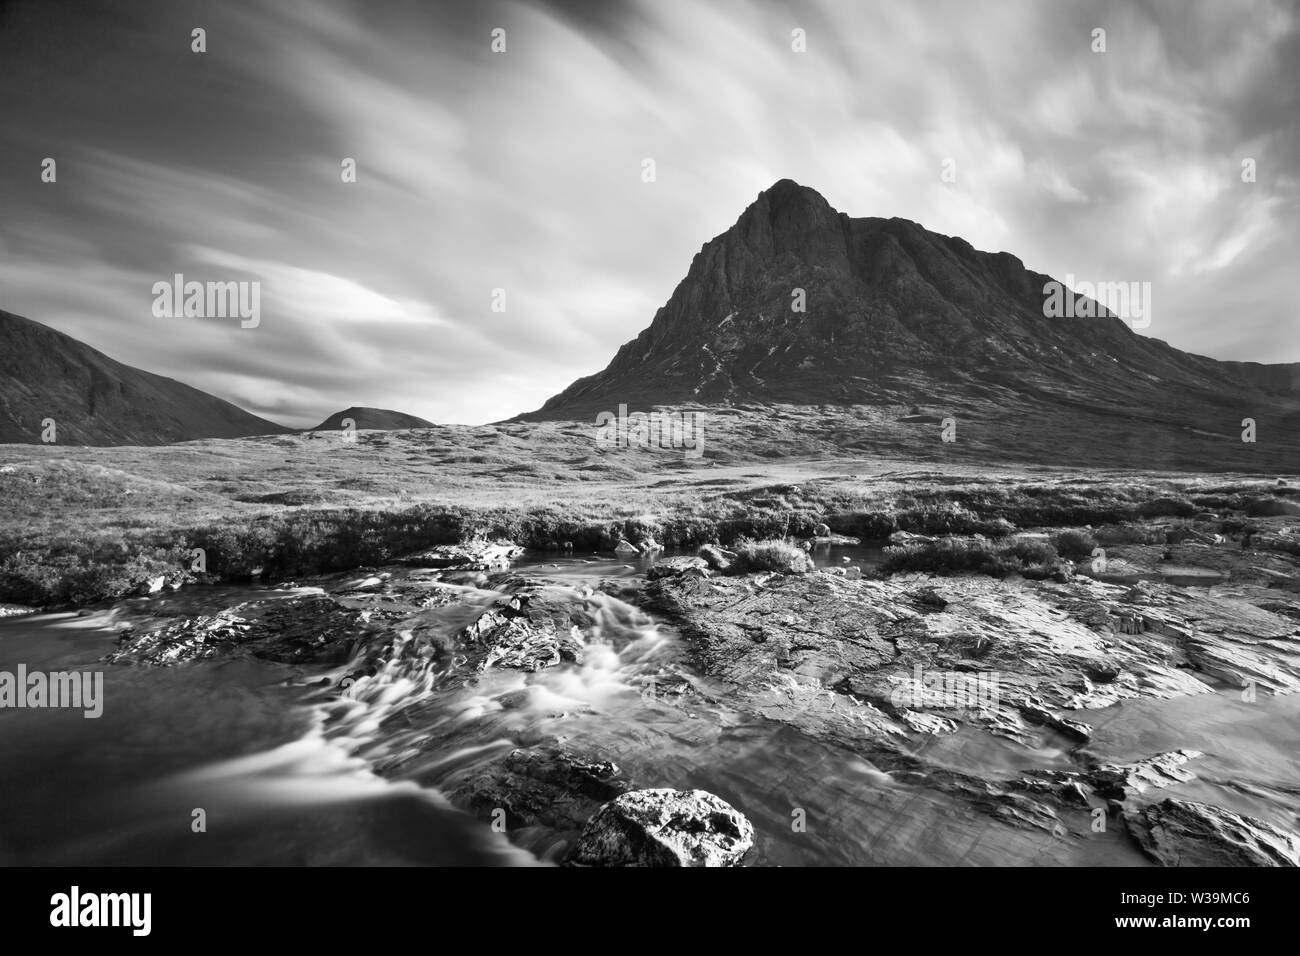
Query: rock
835	539
1038	713
847	646
548	787
853	573
650	544
931	597
311	629
531	628
664	828
153	585
1183	833
677	565
626	547
1118	781
901	538
472	556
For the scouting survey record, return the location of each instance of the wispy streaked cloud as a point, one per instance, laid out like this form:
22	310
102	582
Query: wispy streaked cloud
521	171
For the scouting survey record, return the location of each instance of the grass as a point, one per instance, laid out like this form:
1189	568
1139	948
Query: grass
973	555
79	525
1074	544
770	555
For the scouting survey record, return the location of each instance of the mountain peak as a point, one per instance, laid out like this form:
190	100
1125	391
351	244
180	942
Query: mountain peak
788	199
786	190
799	304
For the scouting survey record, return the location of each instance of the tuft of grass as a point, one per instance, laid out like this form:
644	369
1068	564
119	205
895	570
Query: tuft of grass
1073	543
770	555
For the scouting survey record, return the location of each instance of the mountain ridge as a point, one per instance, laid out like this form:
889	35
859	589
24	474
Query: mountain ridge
97	400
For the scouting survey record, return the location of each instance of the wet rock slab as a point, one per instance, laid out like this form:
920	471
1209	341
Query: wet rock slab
547	786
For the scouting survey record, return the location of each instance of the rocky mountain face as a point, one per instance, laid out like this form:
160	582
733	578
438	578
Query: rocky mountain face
376	418
895	315
94	400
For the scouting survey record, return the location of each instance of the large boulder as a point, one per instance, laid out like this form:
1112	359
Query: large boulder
664	828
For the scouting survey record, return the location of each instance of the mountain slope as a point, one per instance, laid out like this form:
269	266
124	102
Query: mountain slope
378	418
95	400
900	316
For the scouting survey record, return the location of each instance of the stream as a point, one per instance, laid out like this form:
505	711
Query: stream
283	771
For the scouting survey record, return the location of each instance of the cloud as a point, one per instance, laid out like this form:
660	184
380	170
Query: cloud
521	170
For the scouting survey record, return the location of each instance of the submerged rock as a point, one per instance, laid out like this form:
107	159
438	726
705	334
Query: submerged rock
548	787
664	828
1183	833
312	629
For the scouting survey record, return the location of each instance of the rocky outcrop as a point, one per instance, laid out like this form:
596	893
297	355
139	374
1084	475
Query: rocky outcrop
1182	833
1118	781
313	629
1047	649
524	625
664	828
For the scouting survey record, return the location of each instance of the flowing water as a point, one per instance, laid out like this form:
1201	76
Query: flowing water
283	771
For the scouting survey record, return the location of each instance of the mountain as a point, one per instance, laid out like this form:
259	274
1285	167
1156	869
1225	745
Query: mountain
379	418
95	400
897	316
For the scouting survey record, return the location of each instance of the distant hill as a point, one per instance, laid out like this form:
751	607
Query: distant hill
95	400
377	418
898	317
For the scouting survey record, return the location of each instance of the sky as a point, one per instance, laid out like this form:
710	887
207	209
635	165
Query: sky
523	170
